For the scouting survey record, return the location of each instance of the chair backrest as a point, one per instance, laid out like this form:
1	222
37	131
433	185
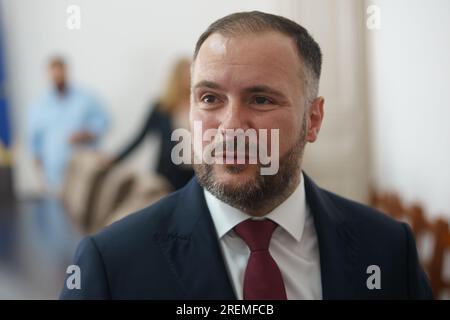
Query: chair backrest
116	188
440	264
432	238
148	189
83	179
445	268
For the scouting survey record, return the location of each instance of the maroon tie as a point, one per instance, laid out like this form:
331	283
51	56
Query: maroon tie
262	280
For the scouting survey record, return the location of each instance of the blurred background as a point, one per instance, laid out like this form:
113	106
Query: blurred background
120	68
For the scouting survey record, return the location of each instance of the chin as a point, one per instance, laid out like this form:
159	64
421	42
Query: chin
235	174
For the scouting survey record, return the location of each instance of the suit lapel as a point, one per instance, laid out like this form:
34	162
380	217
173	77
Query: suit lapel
192	248
337	244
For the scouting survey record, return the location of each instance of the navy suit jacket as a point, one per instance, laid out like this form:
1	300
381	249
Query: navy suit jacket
170	250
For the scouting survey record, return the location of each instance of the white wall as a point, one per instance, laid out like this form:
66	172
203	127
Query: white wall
339	159
122	51
409	73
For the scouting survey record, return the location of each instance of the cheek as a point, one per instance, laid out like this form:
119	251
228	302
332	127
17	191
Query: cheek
202	121
288	129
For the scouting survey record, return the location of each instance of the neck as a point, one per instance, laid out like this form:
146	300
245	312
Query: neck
61	88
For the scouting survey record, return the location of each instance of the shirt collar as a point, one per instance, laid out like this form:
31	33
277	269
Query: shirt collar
290	214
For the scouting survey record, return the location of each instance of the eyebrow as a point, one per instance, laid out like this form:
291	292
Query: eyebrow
264	89
207	84
252	89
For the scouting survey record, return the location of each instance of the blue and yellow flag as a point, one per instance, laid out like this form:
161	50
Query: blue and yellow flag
5	137
6	179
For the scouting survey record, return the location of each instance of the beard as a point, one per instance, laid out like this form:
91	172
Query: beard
263	190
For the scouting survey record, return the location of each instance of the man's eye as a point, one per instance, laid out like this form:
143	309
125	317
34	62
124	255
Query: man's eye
209	99
262	100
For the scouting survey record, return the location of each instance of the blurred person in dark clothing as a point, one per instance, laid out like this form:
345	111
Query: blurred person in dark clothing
169	112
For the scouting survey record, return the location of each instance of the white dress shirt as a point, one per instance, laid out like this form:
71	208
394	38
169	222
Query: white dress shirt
293	245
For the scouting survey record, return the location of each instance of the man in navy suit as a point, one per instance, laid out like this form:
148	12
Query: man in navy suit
233	233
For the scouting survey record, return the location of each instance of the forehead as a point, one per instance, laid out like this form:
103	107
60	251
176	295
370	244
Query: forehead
269	57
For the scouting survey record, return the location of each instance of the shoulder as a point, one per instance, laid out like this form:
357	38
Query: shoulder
115	260
139	228
369	222
42	100
84	95
80	91
38	107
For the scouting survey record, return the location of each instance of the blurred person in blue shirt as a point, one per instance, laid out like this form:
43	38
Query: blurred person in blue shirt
61	120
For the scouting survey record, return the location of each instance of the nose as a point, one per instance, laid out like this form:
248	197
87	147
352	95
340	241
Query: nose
236	116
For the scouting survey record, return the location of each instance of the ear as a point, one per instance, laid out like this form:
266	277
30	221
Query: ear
315	116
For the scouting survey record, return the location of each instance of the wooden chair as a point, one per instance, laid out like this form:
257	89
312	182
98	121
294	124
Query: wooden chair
83	179
148	189
440	264
426	234
432	238
115	189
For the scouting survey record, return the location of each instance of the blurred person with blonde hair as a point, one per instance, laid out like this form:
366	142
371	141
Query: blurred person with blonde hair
169	112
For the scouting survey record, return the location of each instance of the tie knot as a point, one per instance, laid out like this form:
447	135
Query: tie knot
256	233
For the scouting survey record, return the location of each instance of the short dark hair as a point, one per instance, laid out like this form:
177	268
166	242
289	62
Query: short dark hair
256	22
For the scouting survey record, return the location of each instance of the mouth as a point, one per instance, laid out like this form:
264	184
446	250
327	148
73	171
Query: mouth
233	158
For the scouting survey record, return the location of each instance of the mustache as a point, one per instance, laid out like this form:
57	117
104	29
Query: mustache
232	146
